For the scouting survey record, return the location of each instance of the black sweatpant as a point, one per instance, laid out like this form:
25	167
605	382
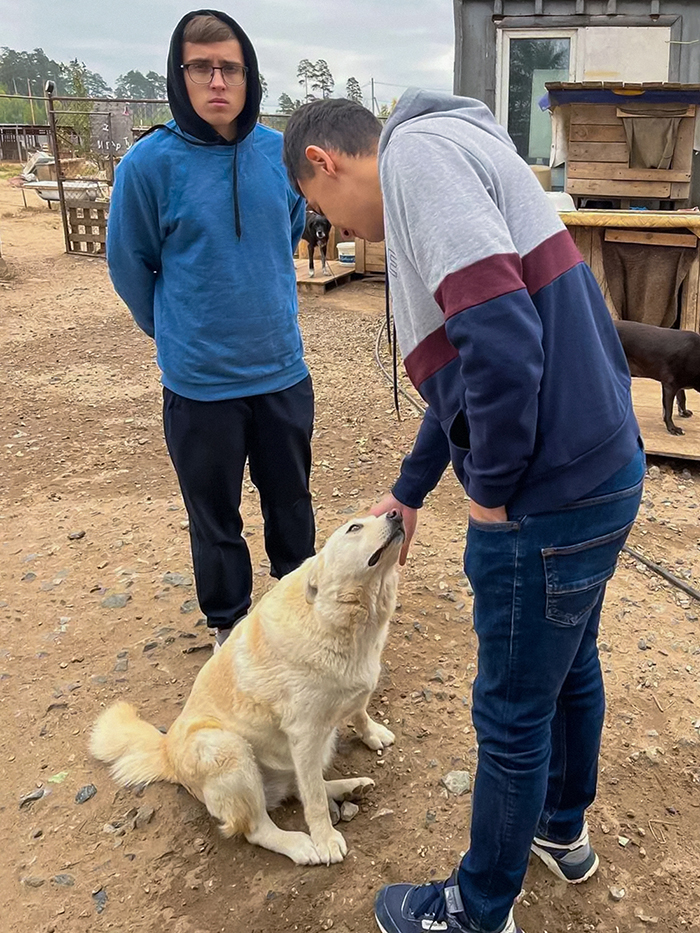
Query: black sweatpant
209	443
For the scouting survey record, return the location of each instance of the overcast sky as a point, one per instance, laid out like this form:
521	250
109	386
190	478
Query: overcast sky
397	42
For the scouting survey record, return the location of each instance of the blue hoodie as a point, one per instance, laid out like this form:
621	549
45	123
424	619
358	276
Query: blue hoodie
223	311
200	247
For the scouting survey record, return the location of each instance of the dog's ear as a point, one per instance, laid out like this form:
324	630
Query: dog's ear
316	566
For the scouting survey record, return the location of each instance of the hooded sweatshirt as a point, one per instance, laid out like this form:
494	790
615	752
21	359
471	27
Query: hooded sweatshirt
200	245
501	324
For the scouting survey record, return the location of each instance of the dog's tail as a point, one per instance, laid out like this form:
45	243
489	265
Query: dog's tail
136	750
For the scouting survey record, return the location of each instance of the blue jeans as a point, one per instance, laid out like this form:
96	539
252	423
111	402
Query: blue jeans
538	700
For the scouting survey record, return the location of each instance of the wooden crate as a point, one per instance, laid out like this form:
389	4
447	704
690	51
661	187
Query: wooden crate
87	226
590	228
598	158
369	257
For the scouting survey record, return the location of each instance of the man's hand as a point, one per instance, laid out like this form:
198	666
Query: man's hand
410	520
481	514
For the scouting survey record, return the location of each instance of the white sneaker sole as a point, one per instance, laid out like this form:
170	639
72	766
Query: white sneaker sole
554	867
510	925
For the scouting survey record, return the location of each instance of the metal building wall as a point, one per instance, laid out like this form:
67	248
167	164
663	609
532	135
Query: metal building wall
477	21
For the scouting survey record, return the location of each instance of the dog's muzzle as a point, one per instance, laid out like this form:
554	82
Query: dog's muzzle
396	531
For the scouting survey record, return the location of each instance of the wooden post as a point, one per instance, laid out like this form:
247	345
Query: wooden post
690	312
50	87
31	102
598	268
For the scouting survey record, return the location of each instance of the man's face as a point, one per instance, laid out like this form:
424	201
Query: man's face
216	102
346	190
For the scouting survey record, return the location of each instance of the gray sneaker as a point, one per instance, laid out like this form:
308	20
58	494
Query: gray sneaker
575	862
220	636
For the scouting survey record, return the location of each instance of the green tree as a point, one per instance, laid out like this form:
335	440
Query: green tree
158	85
134	84
72	118
150	86
353	91
18	68
305	74
384	111
263	86
287	105
322	79
93	84
17	111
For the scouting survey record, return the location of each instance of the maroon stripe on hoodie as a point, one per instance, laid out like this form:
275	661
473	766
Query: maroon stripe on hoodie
552	258
504	273
480	282
431	354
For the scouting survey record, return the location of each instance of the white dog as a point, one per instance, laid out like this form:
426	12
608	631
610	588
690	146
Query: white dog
260	722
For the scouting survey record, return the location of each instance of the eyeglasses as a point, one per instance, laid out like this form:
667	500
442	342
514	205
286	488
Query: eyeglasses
202	73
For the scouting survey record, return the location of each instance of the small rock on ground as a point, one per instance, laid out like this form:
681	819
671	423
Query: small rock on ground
348	811
85	793
457	782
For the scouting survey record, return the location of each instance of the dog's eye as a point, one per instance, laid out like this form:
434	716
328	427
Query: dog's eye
354	528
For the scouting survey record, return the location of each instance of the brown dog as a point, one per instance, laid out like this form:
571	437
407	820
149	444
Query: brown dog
670	356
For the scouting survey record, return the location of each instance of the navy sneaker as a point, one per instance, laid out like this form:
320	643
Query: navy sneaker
574	863
426	908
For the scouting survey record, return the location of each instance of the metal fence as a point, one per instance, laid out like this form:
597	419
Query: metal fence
86	138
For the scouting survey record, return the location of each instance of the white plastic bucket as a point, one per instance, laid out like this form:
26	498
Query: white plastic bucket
346	252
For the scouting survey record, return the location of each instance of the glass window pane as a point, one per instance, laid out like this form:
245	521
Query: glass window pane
532	63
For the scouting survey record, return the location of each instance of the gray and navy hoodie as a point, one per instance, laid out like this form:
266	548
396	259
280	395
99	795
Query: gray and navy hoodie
501	324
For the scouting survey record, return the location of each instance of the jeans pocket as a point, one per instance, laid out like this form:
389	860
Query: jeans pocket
493	526
575	576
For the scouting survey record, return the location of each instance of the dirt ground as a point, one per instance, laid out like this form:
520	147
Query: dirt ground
90	509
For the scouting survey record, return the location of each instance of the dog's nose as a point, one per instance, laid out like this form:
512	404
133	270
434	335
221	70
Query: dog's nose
394	516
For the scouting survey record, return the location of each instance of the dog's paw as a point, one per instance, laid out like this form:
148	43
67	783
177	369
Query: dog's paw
332	848
311	273
674	429
686	413
378	736
360	789
303	851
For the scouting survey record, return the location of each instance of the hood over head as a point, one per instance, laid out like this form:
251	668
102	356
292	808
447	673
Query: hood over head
415	103
178	98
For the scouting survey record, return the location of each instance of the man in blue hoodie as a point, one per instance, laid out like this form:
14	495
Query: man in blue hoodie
202	228
506	335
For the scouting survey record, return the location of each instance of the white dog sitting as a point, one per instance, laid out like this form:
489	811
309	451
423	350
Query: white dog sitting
260	722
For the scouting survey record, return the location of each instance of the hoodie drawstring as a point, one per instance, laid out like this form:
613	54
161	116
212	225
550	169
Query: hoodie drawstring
391	336
196	142
236	209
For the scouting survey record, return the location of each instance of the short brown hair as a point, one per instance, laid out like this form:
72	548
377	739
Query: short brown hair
205	29
335	124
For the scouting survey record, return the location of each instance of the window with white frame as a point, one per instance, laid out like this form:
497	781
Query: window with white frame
526	59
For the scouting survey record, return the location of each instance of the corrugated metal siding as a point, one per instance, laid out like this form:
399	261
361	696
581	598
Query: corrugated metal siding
477	21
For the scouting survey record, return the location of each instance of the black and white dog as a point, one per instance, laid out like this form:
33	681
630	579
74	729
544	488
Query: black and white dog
316	233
